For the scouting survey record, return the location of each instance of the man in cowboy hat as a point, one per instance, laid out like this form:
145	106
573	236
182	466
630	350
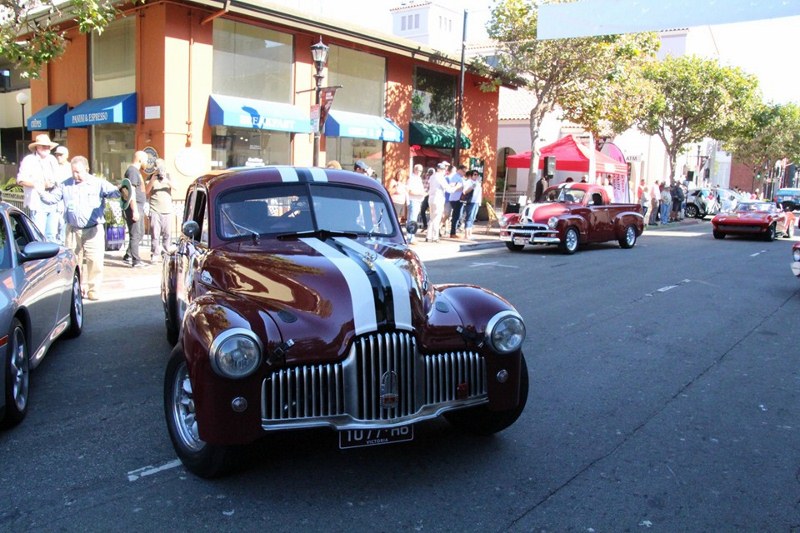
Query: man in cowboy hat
40	170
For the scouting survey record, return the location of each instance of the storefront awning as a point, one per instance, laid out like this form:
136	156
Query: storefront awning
359	126
119	109
237	112
425	134
48	118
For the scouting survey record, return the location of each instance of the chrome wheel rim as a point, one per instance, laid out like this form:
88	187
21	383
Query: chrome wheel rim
183	412
19	369
571	240
630	236
77	302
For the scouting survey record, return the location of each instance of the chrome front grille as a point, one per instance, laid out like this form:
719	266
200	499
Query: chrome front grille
383	380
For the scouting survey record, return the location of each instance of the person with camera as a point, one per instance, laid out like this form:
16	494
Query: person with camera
159	190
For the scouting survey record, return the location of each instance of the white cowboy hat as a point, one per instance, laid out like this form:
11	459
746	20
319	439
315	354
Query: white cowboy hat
42	140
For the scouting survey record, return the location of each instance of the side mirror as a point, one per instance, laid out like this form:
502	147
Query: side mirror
191	229
39	250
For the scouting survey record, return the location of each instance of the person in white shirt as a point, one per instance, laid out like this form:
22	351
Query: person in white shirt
416	194
438	188
457	184
39	170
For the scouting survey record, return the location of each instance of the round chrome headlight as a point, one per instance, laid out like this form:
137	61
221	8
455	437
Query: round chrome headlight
505	332
796	254
235	353
551	222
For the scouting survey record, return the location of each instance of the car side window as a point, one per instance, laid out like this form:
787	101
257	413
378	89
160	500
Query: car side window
200	215
20	232
5	246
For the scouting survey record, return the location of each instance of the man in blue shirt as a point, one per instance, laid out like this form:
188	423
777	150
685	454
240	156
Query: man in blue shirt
83	197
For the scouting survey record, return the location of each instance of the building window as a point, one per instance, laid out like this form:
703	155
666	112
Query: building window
114	145
347	151
114	59
246	147
252	62
416	21
434	97
362	77
403	23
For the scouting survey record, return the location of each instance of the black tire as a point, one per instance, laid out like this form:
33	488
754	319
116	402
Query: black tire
570	243
200	458
171	319
692	211
772	232
481	421
718	235
514	247
628	240
18	378
75	308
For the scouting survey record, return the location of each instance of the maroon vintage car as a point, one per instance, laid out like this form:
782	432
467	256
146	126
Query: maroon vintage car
796	259
571	214
759	218
296	303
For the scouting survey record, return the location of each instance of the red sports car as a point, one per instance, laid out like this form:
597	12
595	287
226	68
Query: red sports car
760	218
296	303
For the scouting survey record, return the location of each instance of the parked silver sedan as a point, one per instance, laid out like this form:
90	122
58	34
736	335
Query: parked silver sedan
40	299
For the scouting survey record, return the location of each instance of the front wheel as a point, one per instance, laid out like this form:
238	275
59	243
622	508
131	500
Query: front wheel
570	243
75	308
17	373
481	421
202	459
719	234
772	232
629	239
692	211
514	247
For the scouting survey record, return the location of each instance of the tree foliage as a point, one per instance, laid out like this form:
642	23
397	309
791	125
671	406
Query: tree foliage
30	30
573	74
689	98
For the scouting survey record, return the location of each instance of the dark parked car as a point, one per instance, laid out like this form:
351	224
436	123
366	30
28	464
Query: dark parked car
40	299
296	303
789	198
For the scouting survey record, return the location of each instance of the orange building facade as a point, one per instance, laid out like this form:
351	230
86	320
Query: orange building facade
173	95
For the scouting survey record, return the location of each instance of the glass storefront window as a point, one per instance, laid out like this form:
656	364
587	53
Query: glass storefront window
114	145
362	77
114	59
252	62
240	147
434	98
347	151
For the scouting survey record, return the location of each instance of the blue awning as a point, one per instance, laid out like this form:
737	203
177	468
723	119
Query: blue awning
239	112
356	125
120	109
48	118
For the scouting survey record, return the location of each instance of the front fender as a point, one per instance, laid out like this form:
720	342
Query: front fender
575	221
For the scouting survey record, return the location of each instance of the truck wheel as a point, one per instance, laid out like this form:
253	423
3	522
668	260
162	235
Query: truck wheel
692	211
718	235
629	239
570	243
514	247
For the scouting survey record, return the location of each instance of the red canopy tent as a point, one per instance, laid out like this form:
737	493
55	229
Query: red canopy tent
570	156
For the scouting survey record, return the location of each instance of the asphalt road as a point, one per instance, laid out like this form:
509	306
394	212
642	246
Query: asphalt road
664	397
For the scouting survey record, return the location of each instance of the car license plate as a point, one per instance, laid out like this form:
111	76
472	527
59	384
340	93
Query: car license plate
358	438
520	241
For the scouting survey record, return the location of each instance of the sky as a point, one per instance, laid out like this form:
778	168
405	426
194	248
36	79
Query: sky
764	48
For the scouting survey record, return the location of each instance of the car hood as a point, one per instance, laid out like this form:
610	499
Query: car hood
540	213
333	288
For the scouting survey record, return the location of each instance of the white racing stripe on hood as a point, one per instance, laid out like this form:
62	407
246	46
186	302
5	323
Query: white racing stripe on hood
318	174
364	317
398	282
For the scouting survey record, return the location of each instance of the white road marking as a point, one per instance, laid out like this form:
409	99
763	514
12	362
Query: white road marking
758	253
667	288
133	475
492	263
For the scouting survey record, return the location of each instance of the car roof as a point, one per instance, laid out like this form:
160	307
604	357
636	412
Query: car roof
219	181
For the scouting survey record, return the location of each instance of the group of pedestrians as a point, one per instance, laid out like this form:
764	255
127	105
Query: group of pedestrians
663	202
68	204
442	199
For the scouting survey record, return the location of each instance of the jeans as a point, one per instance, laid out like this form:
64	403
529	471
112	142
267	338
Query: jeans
664	212
47	222
413	213
455	216
423	213
470	212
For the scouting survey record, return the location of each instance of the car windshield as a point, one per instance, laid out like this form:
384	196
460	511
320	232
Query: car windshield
749	207
281	209
564	194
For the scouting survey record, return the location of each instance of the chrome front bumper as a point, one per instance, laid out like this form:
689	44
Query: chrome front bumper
538	234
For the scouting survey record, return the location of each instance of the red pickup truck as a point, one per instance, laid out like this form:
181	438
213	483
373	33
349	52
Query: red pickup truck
571	214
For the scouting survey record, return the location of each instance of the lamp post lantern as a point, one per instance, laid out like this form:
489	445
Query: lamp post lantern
319	53
22	99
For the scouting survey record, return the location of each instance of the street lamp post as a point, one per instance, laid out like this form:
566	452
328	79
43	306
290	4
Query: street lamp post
22	99
319	53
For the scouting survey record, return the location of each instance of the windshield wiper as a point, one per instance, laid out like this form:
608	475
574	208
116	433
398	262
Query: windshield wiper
320	234
247	231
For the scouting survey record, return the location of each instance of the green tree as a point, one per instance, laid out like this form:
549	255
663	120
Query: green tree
689	98
771	134
30	30
563	72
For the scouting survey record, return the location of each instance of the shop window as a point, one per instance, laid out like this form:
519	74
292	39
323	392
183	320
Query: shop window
362	77
244	147
114	145
252	62
347	151
434	98
114	59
